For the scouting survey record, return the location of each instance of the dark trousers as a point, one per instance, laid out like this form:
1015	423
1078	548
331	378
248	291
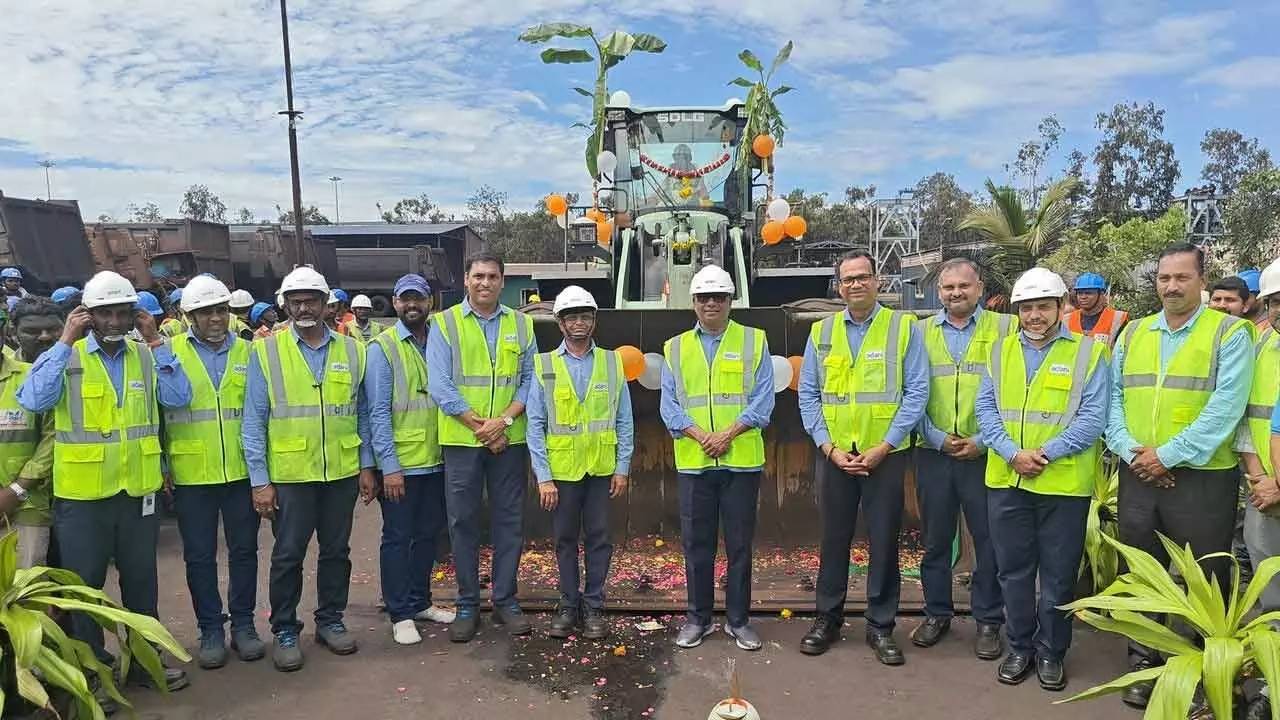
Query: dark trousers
94	533
944	485
1037	537
468	472
881	496
583	512
199	507
707	501
322	509
1199	509
410	527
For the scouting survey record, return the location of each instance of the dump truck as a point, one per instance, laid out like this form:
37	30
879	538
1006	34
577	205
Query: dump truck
374	271
261	256
162	256
46	241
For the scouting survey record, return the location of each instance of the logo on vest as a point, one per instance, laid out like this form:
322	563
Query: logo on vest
509	338
240	368
11	419
732	356
1059	369
339	367
136	385
874	355
600	387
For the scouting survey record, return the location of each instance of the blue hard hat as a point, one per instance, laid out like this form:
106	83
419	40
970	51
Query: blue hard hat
148	302
1090	281
341	295
11	272
175	296
1251	277
255	313
63	294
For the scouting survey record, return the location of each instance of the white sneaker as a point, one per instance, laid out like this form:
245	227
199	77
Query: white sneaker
436	614
405	633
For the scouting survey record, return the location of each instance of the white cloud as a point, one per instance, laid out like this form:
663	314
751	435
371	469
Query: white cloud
1254	73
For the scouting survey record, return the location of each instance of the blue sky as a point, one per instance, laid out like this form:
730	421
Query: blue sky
135	100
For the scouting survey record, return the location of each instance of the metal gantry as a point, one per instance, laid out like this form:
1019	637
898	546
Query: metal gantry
1204	208
895	232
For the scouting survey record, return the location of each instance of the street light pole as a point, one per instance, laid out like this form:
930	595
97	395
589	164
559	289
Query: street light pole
337	217
48	188
293	116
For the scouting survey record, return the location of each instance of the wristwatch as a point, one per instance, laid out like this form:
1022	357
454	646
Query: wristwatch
508	420
18	492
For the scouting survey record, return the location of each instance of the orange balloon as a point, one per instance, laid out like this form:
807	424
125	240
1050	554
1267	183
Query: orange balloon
772	232
556	205
795	226
593	215
604	232
796	361
632	361
762	146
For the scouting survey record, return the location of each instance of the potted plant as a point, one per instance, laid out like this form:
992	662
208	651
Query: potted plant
1233	649
40	662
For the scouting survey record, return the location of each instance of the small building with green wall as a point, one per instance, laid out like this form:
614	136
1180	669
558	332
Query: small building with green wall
547	279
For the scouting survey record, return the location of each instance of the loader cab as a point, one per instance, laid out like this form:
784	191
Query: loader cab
684	200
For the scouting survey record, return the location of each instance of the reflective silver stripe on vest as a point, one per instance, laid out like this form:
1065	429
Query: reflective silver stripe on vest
701	401
1258	412
75	371
892	393
1181	382
186	417
93	437
942	370
25	435
1005	321
546	368
1074	398
1266	338
455	349
280	407
400	400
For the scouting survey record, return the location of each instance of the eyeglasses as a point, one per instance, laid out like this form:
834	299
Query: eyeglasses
851	280
711	298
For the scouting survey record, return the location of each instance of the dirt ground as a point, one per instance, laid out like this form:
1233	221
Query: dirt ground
497	676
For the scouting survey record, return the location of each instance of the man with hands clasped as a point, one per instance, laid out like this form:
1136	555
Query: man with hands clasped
581	436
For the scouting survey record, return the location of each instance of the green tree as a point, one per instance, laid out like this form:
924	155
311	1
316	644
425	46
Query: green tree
148	213
943	203
311	215
415	210
1252	218
1019	241
1229	157
528	237
763	116
245	216
1033	154
199	203
1135	165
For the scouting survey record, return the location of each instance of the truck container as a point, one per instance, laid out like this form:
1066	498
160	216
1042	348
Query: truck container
374	271
262	255
162	256
46	241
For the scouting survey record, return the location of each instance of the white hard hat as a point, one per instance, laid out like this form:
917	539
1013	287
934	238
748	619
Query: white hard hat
361	301
710	280
573	297
1269	283
108	288
1036	284
202	292
241	299
304	279
333	298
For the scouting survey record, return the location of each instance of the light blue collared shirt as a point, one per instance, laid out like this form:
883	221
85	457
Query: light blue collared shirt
257	408
379	385
580	373
760	400
214	359
440	359
1197	442
43	387
957	339
915	383
1082	431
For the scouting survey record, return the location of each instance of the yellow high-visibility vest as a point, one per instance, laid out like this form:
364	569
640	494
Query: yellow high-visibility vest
1157	406
487	384
312	432
413	412
1262	396
582	433
1035	413
364	336
100	449
860	399
19	429
203	439
715	395
953	386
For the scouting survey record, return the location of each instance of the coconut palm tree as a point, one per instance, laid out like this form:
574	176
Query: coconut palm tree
1019	241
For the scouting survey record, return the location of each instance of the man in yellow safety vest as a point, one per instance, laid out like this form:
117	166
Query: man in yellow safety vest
864	385
210	477
1042	408
481	356
717	398
105	393
581	437
360	326
305	435
1180	384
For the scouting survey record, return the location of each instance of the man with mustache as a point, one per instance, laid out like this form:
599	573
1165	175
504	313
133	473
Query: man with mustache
106	393
1180	384
402	419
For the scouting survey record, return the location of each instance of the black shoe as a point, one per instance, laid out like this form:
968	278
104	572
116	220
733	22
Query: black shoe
564	624
464	625
824	631
1015	668
886	648
931	631
1052	674
513	618
1138	695
175	679
1259	709
988	645
595	626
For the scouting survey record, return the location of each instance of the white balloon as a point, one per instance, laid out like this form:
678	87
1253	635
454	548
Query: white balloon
620	98
563	221
606	197
651	378
779	209
781	373
606	163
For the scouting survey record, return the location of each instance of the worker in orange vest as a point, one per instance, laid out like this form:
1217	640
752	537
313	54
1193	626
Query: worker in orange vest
1095	317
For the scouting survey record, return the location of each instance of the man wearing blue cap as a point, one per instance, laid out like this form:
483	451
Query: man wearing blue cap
1254	310
403	422
1094	317
12	278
